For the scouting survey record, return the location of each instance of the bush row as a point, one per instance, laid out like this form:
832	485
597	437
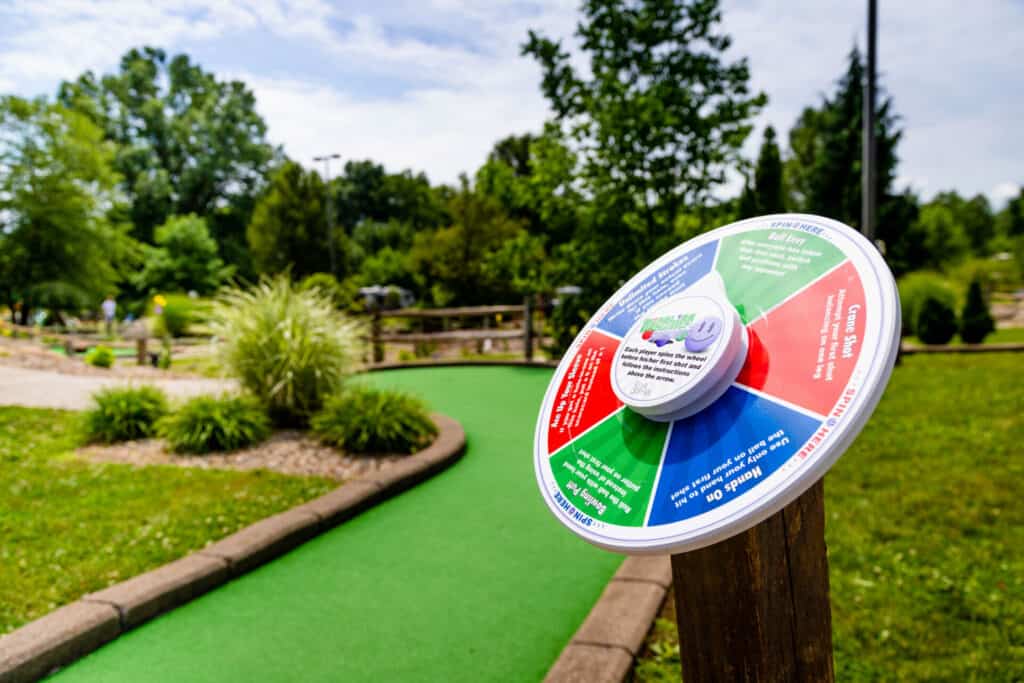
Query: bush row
929	310
359	419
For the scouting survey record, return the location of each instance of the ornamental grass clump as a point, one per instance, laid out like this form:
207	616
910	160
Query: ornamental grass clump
288	347
124	414
363	419
215	423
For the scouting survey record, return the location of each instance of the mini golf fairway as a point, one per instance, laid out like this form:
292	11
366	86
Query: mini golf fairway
466	577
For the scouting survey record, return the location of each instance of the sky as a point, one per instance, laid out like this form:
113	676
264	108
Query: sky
431	84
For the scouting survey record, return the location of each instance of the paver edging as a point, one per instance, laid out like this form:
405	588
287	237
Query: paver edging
73	631
608	641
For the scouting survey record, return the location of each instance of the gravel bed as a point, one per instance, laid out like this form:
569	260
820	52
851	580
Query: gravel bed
287	452
31	355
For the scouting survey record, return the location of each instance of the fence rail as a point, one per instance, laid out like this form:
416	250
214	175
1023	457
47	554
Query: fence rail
525	311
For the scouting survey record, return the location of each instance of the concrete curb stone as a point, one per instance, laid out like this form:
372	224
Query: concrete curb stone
606	644
61	636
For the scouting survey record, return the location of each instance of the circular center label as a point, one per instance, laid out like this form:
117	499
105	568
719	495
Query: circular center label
668	351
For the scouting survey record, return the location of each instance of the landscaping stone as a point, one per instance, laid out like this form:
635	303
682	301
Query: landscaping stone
143	597
343	503
55	640
256	544
590	664
651	568
622	616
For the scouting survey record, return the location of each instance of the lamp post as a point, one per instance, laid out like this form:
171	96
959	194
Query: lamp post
868	214
328	209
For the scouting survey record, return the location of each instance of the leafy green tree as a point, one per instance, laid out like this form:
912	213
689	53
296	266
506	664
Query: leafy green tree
658	116
974	216
533	178
58	245
185	259
936	322
1010	222
366	192
187	142
976	322
289	228
945	241
452	261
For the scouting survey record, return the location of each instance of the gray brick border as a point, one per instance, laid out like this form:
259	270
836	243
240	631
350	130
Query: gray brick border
71	632
606	644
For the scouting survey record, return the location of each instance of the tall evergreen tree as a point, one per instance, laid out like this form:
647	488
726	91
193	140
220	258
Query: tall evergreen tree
769	195
824	168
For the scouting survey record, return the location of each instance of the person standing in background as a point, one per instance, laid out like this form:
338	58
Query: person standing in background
109	307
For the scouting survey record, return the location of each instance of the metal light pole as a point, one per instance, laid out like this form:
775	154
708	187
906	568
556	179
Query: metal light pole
328	209
870	151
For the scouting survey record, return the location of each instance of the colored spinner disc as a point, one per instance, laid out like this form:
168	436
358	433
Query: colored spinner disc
718	384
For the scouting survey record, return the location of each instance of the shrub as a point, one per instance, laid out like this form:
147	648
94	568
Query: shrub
362	419
100	356
124	413
936	322
975	322
915	288
287	346
180	312
215	423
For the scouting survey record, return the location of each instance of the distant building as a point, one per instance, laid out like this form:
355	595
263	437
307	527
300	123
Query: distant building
379	297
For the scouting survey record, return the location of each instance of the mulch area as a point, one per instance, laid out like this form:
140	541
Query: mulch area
287	452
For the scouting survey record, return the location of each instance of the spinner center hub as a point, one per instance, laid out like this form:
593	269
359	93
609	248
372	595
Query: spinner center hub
679	356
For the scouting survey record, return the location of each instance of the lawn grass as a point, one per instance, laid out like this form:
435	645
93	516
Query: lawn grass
925	529
69	527
1003	335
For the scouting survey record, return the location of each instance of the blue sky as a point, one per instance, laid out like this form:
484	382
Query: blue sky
430	85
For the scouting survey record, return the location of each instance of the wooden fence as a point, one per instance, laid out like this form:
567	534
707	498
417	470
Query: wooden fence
452	326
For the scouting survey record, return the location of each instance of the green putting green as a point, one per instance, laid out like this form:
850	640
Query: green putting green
466	577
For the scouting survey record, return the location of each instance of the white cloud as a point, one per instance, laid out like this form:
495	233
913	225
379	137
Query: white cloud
1002	193
951	67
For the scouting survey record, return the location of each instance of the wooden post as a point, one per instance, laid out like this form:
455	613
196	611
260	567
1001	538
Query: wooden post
528	328
755	607
140	351
378	349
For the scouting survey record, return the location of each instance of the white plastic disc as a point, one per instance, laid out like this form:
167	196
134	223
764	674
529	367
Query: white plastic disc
718	384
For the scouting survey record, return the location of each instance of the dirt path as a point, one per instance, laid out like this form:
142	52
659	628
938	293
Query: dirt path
49	389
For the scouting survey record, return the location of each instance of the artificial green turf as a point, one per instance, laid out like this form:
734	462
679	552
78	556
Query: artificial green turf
466	577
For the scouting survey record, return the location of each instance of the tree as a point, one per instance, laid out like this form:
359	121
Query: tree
824	168
366	192
58	246
532	177
768	176
1010	222
974	216
451	262
185	259
658	117
289	228
187	142
975	322
945	241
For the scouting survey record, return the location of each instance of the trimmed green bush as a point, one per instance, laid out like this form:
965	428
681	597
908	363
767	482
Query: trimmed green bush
100	356
363	419
215	423
976	322
936	322
915	288
124	413
288	347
